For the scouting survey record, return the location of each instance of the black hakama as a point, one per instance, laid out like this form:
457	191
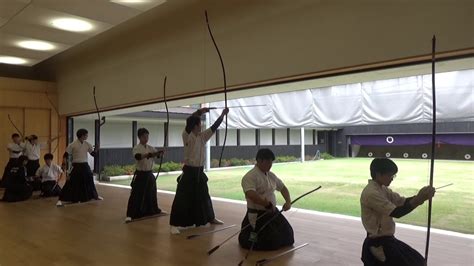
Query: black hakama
192	204
11	163
143	200
31	167
277	234
80	187
17	188
50	189
396	252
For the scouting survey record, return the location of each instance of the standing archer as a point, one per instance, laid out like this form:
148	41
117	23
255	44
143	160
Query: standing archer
143	201
192	204
80	185
15	150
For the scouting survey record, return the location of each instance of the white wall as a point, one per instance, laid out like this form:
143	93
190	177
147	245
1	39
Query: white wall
115	134
295	136
308	136
288	37
231	137
280	136
265	136
247	137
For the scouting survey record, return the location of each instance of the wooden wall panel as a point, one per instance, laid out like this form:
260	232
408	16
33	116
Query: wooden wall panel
7	129
31	105
38	122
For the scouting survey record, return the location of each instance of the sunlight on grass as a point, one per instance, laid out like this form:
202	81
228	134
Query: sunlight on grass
344	179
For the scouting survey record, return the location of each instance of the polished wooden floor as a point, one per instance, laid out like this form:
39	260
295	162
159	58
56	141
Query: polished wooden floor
36	232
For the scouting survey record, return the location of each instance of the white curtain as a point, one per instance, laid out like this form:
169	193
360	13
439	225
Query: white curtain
400	100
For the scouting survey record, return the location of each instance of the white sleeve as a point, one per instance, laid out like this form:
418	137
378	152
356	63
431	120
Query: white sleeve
38	172
279	183
248	183
207	134
69	149
185	136
395	198
379	203
135	151
58	168
90	147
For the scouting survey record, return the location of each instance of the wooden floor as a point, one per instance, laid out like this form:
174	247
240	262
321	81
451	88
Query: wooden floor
36	232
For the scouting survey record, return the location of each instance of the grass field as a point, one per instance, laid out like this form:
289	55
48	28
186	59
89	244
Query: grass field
344	179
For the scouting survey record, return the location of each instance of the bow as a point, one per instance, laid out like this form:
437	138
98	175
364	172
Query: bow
59	122
17	130
165	137
101	123
225	82
433	140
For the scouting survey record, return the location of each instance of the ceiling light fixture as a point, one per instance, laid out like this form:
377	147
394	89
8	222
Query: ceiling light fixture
72	24
12	60
130	1
36	45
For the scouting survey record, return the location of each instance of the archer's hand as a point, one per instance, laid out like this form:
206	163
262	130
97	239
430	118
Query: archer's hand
225	111
286	206
426	193
269	207
160	153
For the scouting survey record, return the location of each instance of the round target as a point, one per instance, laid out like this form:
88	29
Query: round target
406	155
390	139
370	154
424	155
387	154
467	156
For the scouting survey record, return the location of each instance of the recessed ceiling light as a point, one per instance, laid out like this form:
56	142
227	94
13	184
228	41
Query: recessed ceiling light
12	60
130	1
72	24
36	45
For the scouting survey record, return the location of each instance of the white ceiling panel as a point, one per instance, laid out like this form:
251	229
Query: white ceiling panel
31	20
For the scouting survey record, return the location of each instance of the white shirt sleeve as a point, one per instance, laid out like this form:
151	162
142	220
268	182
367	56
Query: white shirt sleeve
58	168
207	135
135	151
279	183
379	203
248	183
39	171
395	198
90	148
69	148
10	147
185	136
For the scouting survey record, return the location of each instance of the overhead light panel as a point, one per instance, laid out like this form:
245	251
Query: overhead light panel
12	60
36	45
72	24
130	1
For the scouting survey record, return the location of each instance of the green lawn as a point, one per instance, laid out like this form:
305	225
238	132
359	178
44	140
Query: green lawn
344	179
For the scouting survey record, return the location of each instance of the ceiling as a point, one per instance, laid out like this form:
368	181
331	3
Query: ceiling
30	23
